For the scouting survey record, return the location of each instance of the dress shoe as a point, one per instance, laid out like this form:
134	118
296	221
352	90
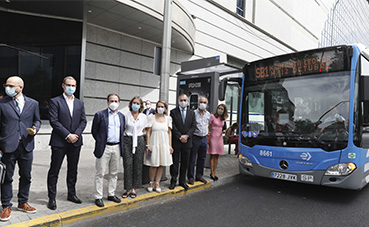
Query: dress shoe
74	199
202	180
185	186
51	204
99	202
172	186
191	182
114	198
5	214
25	207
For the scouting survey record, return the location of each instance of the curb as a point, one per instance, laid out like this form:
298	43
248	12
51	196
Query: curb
93	211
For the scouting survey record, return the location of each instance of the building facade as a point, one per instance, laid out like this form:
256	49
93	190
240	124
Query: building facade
114	45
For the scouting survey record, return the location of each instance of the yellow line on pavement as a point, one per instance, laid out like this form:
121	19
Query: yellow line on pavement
93	211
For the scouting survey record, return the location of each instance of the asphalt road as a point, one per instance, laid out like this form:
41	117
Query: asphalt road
251	201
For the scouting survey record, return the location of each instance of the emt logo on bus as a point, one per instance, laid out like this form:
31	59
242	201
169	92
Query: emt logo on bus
297	64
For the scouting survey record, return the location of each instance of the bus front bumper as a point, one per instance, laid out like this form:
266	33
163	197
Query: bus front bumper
355	180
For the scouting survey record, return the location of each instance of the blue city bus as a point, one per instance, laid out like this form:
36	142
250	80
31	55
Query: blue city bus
305	117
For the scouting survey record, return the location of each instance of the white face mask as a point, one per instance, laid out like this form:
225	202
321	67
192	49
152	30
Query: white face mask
113	106
160	110
148	106
202	106
183	104
220	111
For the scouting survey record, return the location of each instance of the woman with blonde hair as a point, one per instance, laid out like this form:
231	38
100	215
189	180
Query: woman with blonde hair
159	144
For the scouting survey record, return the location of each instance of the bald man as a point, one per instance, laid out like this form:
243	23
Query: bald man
19	123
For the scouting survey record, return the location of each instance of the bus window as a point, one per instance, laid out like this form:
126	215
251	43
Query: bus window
365	73
256	111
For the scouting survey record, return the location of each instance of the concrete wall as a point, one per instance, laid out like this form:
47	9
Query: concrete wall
122	64
220	32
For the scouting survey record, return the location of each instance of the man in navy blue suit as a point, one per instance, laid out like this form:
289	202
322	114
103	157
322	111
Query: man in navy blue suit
108	132
68	120
19	122
148	110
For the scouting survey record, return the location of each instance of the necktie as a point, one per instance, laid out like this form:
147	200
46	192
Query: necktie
17	105
183	116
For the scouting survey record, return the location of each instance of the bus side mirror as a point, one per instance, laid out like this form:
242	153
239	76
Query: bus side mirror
222	89
364	87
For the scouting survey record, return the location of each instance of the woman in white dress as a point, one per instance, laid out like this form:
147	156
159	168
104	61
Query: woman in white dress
159	144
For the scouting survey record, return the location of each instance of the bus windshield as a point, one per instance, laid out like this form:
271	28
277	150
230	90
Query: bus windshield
306	111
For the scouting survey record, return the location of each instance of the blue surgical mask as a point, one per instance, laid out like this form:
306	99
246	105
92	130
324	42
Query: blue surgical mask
70	90
10	91
135	107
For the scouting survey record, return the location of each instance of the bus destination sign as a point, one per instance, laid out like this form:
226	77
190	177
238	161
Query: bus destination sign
298	64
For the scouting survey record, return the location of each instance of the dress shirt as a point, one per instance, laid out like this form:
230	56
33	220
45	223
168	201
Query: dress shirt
202	123
134	127
113	127
70	103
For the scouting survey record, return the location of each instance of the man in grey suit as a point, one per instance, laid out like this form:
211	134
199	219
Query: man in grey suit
108	132
68	120
19	122
184	125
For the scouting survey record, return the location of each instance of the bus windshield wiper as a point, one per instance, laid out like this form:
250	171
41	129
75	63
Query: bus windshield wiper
329	110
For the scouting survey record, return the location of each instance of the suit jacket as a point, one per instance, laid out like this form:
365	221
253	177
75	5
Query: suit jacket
99	131
179	128
14	125
63	124
152	111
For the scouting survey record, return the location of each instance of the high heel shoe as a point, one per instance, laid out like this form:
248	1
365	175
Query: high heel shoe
157	187
213	178
149	189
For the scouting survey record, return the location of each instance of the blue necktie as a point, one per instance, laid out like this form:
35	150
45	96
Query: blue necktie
17	105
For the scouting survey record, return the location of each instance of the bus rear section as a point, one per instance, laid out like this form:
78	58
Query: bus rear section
304	118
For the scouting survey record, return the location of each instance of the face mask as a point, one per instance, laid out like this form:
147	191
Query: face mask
183	104
220	111
70	90
148	106
160	110
113	106
202	106
135	107
10	91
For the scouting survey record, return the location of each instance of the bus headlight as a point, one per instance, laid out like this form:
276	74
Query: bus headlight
341	169
244	160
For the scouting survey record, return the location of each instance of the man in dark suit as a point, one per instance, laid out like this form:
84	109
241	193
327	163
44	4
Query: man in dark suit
184	125
108	132
20	121
68	120
148	110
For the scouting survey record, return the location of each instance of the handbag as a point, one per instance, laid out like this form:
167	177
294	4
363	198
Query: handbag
2	172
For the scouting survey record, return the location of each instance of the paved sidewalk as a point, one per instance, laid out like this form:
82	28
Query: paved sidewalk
68	212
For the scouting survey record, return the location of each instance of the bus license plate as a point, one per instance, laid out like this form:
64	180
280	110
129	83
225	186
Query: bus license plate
307	178
284	176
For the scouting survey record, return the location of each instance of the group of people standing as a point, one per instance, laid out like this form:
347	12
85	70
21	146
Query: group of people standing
142	136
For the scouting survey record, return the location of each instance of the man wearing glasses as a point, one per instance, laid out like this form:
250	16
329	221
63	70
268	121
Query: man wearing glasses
68	120
19	123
